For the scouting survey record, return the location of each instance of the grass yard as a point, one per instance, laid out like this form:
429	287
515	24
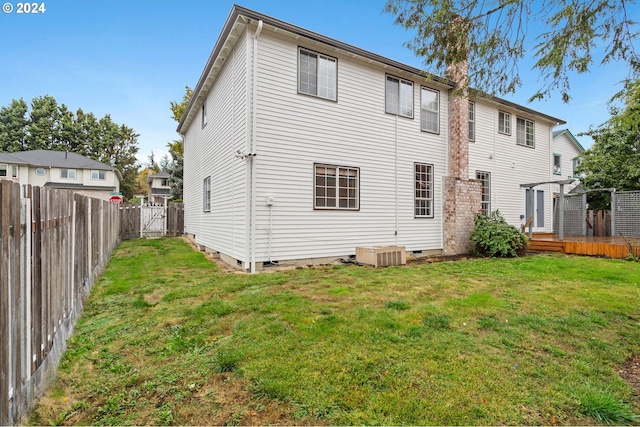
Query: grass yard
169	337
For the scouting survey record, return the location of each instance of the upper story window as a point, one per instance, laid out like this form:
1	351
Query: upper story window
99	175
206	194
164	182
472	121
4	170
41	171
576	162
524	132
504	122
14	171
204	113
336	187
68	173
317	74
423	191
399	97
429	110
557	165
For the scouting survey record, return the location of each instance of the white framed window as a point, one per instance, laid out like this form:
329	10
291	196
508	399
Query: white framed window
485	178
429	110
206	194
399	97
164	182
98	175
557	164
525	132
14	171
4	171
336	187
317	74
68	173
504	122
423	190
576	162
41	171
472	121
204	113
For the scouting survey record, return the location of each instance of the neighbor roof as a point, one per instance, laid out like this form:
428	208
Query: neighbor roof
568	133
240	16
55	159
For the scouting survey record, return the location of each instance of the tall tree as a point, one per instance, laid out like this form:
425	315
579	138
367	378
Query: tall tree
178	108
497	36
13	126
613	161
176	166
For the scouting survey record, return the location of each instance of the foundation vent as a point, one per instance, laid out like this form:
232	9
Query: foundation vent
381	256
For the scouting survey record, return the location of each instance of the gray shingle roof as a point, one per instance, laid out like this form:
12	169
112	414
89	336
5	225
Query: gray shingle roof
56	159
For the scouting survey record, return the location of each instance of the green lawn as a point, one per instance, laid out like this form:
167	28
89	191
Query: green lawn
168	337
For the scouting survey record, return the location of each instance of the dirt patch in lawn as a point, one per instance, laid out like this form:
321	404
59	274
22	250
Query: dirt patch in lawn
630	372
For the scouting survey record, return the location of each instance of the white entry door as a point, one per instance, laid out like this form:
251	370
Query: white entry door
537	209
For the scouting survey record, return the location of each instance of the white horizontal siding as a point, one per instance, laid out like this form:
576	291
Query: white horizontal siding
210	151
511	164
295	131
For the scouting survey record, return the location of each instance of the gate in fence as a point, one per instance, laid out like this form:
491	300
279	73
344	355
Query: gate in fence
151	220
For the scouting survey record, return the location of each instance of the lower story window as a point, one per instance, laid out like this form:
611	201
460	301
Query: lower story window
206	194
423	192
485	179
336	187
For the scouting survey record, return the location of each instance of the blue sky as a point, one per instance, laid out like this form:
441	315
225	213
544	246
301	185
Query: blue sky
130	58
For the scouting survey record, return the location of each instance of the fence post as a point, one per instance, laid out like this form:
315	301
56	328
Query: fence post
614	196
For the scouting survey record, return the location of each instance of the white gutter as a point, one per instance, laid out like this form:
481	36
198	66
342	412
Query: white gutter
252	147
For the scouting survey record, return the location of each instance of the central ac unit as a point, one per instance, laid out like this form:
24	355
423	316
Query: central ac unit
381	256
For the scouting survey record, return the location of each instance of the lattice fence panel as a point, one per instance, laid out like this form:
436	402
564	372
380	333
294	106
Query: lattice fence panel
574	211
627	214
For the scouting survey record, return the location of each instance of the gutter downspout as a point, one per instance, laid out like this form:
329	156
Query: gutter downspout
396	177
252	147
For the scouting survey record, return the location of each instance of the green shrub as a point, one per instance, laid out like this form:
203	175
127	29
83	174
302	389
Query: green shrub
494	237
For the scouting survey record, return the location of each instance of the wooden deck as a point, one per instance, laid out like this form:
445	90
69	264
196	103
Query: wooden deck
610	247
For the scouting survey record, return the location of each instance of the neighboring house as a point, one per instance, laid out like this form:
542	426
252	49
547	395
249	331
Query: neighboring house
61	169
301	147
567	156
159	189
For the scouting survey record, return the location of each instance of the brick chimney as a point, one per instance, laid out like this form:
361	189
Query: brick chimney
462	196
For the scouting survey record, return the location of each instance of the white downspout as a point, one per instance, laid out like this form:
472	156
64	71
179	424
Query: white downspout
396	176
252	182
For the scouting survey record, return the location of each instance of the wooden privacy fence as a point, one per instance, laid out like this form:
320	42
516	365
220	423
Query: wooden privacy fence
151	220
53	244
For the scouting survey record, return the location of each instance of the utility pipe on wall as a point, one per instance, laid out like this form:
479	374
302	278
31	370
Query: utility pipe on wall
252	148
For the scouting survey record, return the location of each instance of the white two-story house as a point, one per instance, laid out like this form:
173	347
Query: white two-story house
301	147
61	169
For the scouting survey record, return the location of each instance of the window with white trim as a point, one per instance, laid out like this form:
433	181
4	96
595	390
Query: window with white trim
524	132
504	122
429	110
14	171
423	190
399	97
317	74
576	162
472	121
68	173
206	194
557	164
485	179
336	187
98	175
204	113
3	170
